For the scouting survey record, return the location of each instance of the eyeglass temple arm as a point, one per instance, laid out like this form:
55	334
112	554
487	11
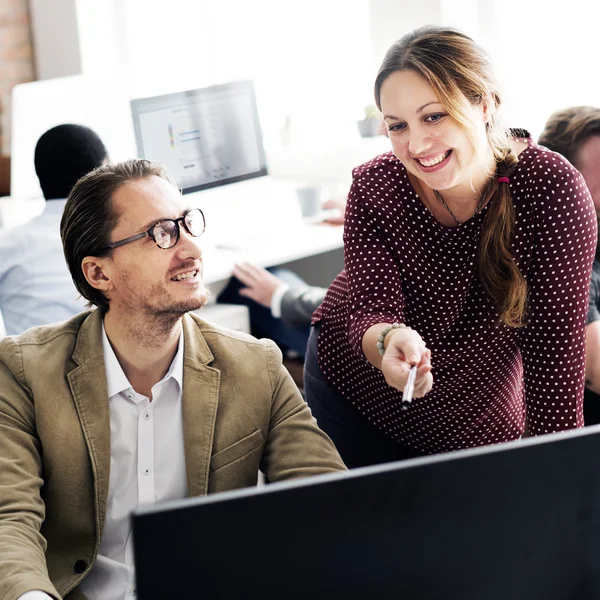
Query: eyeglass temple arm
133	238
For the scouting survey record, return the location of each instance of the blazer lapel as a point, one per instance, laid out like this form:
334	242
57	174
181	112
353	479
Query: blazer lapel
199	405
90	395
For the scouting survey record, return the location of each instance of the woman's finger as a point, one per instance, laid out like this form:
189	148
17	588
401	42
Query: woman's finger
423	385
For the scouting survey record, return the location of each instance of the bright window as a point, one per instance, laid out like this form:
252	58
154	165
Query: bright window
310	61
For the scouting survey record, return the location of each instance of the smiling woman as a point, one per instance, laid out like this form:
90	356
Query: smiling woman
468	252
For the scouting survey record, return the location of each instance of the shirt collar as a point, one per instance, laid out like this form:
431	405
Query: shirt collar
116	379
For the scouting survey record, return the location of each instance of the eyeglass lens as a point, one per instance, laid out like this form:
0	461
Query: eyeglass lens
194	222
166	233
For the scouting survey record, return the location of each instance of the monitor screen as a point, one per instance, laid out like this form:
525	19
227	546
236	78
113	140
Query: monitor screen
205	138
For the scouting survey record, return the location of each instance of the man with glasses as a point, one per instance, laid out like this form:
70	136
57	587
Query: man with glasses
133	403
35	286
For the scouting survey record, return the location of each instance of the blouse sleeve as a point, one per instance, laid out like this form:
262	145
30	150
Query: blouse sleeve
553	342
373	273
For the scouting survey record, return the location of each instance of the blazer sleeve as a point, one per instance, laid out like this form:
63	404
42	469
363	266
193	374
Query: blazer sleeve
298	304
295	446
22	546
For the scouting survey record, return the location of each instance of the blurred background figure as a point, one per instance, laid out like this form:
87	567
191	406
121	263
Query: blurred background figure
281	304
575	133
35	285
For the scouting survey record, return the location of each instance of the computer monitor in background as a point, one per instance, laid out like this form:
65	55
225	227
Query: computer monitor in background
517	521
206	138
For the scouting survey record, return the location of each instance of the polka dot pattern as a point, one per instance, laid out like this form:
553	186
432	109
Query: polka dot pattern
402	265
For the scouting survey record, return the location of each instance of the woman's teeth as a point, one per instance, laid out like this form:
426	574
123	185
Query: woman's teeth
430	162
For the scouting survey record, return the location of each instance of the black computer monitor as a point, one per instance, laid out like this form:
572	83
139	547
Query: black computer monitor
520	521
206	137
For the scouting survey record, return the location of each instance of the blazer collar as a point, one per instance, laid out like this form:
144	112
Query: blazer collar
90	395
201	384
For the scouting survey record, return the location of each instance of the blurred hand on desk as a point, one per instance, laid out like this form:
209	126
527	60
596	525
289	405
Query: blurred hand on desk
337	207
260	284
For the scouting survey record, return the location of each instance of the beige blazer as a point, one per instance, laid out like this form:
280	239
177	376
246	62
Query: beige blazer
241	413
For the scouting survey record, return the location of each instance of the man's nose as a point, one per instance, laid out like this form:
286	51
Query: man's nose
189	246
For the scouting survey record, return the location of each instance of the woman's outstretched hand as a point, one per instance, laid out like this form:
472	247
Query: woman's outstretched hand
405	348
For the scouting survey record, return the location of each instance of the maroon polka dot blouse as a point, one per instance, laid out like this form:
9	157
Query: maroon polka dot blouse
402	265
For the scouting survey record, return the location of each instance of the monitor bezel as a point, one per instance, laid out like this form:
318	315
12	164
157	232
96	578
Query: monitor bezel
140	105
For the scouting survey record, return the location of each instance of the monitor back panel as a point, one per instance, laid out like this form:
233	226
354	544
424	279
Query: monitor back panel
520	521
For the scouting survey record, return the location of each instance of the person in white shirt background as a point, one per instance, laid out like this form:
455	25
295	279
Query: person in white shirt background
35	285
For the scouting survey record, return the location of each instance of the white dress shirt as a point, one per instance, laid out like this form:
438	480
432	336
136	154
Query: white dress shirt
147	466
35	284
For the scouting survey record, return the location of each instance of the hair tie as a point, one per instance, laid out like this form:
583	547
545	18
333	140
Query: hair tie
503	180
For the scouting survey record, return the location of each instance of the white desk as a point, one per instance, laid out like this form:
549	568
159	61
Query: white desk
284	242
300	242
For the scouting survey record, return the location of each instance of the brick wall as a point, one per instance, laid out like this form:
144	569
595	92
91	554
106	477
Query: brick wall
16	59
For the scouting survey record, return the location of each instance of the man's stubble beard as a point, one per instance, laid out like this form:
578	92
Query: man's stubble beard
175	310
151	323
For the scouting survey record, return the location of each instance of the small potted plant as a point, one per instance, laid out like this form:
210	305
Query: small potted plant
372	124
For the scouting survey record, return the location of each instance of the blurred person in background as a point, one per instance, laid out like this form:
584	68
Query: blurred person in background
280	302
35	285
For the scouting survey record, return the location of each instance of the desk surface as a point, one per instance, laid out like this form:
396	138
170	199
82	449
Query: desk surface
300	241
256	222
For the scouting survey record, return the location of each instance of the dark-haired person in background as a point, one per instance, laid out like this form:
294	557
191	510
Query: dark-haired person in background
575	133
467	250
136	402
35	285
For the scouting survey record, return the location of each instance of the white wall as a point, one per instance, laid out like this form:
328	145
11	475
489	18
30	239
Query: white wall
55	35
391	19
314	62
546	55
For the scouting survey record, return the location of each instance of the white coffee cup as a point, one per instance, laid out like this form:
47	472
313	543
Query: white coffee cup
309	198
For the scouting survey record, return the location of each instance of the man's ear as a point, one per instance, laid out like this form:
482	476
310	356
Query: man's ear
96	273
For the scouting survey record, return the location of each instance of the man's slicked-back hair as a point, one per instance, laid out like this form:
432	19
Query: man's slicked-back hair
90	217
64	154
566	130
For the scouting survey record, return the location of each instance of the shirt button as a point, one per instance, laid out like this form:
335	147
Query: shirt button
80	566
146	416
146	471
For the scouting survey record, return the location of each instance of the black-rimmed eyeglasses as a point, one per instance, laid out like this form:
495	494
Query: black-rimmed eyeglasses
166	232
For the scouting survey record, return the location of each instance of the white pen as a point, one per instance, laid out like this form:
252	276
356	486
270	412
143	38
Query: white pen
407	395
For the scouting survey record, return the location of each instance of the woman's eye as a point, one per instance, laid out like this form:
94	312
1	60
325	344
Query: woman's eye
397	127
434	118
